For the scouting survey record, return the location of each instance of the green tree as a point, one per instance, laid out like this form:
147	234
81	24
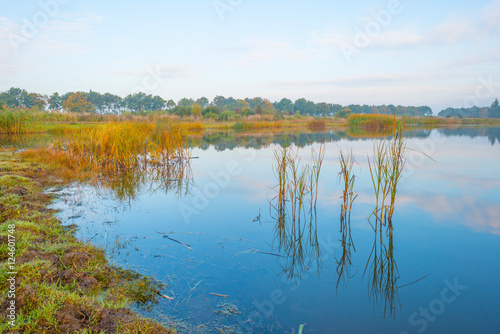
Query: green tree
55	102
203	102
322	109
344	113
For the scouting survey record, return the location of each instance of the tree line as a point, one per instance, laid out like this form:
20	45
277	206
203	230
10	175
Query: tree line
474	112
220	107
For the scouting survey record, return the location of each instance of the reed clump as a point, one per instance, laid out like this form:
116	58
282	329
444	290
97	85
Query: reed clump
371	121
117	147
386	170
317	124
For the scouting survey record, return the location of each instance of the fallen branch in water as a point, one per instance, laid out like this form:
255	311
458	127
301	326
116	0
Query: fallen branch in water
180	242
258	251
218	295
167	297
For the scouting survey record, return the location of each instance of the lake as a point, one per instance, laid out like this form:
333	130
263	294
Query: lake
211	233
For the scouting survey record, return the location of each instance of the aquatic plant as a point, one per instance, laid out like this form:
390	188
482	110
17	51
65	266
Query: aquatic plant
386	170
296	232
348	197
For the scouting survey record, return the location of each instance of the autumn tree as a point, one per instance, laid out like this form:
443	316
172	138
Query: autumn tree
77	102
196	110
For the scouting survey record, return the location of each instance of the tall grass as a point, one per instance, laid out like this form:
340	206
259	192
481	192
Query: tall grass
117	148
386	170
14	121
256	124
317	124
371	121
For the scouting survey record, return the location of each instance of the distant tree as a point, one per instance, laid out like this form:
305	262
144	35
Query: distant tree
335	108
259	109
219	101
306	107
77	102
242	105
171	104
344	113
285	105
494	110
112	103
322	109
196	110
268	106
185	102
203	102
254	102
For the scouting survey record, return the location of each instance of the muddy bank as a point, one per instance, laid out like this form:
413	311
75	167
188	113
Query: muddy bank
49	281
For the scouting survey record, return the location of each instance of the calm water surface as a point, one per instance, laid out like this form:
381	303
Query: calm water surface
441	272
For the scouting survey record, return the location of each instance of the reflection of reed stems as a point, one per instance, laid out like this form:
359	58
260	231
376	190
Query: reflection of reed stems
295	232
348	197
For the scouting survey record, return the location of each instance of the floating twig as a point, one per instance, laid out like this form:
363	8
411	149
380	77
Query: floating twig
180	242
218	295
167	297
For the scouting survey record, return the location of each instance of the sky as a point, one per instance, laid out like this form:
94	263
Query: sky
403	52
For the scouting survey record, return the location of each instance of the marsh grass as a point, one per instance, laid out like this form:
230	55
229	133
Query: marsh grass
15	121
371	121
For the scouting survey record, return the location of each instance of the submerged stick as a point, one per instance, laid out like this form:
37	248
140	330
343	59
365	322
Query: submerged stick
217	294
180	242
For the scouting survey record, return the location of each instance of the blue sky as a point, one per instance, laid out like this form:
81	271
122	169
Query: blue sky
405	52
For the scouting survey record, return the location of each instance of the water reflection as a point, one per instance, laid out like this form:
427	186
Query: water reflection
296	226
382	271
128	184
228	140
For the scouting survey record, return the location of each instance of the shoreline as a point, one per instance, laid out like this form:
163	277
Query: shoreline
52	282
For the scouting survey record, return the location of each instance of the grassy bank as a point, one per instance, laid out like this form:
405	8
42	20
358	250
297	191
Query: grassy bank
62	285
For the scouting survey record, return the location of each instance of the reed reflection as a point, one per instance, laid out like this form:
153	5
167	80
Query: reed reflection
346	175
382	270
296	228
175	176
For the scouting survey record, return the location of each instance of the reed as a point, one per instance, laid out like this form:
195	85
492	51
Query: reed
383	273
371	121
296	231
14	122
317	124
386	170
258	124
346	175
109	151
